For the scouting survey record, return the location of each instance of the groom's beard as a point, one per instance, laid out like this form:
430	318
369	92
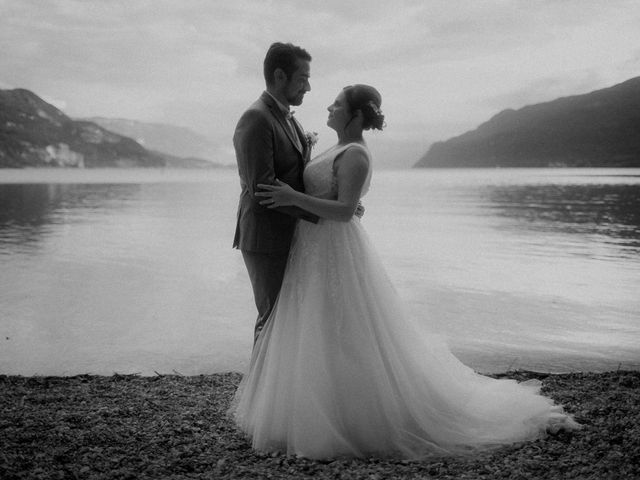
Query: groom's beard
296	99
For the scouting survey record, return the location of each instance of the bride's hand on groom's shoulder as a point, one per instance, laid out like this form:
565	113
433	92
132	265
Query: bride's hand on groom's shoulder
277	195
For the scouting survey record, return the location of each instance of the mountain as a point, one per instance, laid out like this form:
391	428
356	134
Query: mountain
176	141
172	161
597	129
34	133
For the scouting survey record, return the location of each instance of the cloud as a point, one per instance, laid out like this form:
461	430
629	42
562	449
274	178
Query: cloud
547	89
443	66
59	104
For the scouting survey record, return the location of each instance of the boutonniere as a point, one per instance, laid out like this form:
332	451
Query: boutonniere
312	138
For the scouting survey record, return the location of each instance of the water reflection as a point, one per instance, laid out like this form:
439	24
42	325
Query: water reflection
612	211
138	275
29	211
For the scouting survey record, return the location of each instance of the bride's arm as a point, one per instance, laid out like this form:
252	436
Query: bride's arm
351	167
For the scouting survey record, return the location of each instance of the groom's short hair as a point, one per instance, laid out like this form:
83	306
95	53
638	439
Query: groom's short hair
283	56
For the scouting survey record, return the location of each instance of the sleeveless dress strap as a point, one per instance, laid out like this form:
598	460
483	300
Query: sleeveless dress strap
353	144
340	151
344	148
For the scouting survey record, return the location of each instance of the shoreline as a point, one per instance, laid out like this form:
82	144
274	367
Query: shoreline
174	426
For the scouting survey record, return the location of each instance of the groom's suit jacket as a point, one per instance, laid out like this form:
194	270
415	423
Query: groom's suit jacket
265	150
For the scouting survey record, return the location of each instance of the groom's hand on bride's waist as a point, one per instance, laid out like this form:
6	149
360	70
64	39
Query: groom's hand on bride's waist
359	210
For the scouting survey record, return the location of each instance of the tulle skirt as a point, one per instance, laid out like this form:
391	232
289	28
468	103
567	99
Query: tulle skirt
341	370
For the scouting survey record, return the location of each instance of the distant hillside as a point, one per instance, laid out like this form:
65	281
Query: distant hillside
598	129
176	141
171	161
34	133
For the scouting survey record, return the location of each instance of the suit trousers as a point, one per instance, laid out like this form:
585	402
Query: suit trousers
266	272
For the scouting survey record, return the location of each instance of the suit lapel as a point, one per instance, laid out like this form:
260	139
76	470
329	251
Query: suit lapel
279	116
301	137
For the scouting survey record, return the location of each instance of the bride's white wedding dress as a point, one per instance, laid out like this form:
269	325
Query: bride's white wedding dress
340	370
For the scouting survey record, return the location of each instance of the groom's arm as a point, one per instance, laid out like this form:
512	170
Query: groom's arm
254	151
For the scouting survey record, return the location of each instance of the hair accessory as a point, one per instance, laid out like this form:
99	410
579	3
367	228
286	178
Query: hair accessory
375	108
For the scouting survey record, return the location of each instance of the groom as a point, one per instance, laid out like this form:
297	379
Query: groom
269	144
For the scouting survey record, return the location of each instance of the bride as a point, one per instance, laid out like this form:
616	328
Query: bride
339	369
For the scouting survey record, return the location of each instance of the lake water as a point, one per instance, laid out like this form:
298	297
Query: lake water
132	271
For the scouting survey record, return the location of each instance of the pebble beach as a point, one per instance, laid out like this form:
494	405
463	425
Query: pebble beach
176	427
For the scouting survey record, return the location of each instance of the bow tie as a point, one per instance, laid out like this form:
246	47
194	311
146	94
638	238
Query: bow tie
289	115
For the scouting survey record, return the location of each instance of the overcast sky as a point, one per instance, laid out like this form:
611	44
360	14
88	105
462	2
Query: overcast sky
442	66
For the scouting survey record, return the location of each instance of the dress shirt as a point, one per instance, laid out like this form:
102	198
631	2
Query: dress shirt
288	115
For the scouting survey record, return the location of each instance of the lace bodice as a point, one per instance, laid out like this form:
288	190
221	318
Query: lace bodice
319	175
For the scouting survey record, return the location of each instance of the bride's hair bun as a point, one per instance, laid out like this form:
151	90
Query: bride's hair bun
368	100
373	116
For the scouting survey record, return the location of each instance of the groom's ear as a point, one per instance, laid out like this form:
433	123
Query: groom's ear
279	76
